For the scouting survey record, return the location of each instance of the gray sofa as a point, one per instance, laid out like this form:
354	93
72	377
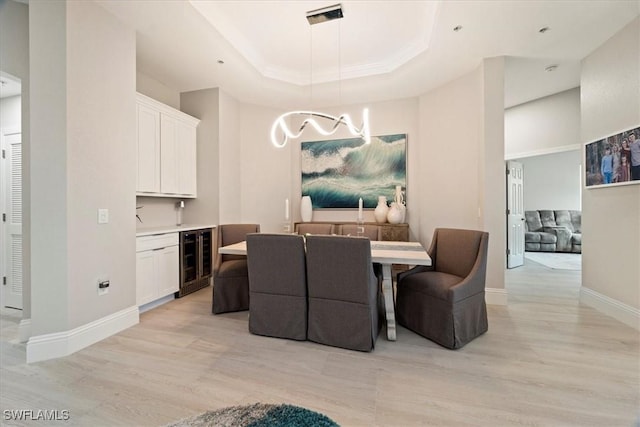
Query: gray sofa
553	231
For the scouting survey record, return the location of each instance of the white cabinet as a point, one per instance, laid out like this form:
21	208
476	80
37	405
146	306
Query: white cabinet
157	267
148	149
166	150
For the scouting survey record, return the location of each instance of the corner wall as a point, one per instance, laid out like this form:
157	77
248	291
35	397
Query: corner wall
610	103
83	158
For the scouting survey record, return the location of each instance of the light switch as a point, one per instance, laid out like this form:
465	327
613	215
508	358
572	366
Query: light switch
103	216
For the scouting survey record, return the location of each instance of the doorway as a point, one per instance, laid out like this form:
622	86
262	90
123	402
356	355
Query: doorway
11	191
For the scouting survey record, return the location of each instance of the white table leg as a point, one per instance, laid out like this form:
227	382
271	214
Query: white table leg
387	291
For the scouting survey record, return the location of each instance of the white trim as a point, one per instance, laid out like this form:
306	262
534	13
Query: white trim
543	151
624	313
24	330
495	296
157	303
60	344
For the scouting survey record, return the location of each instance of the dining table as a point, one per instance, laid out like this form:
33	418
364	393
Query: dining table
385	253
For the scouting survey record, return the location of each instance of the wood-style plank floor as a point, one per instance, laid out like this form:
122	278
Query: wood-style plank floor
546	361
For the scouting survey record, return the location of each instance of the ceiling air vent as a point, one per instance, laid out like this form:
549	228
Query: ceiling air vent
325	14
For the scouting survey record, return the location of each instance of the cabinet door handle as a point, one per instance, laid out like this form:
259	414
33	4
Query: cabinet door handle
158	249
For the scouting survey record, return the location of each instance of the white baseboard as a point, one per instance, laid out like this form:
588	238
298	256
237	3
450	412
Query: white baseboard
24	330
611	307
60	344
157	303
495	296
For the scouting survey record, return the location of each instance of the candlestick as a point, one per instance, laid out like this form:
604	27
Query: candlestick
286	209
360	209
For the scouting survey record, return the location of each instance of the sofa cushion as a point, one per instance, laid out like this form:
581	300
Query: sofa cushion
576	220
548	218
576	239
533	222
563	218
532	237
548	238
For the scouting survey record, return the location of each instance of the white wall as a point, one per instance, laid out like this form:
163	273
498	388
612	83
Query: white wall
552	181
543	126
267	173
229	172
83	156
205	105
157	90
610	102
11	112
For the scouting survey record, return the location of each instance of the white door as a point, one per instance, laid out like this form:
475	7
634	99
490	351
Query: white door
515	215
12	221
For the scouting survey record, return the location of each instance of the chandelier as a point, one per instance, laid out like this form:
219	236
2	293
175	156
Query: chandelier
332	122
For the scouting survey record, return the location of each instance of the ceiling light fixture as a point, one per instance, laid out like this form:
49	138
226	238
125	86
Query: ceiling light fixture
315	17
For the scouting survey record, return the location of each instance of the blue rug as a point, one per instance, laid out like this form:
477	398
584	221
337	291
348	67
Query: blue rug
258	415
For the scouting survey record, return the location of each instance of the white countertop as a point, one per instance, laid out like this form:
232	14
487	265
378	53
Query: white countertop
147	231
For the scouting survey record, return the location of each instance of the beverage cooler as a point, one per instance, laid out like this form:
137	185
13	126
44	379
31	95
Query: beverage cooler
196	260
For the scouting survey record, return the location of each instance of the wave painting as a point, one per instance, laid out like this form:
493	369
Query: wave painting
337	173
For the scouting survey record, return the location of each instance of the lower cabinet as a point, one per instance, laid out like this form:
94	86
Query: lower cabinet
157	267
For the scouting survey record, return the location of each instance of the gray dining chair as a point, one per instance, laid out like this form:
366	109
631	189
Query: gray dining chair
277	285
345	300
446	301
230	275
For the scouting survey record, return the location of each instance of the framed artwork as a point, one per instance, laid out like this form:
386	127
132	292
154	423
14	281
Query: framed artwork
613	160
337	173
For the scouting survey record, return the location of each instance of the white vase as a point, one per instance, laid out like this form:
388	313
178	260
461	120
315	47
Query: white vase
398	198
394	216
306	209
380	213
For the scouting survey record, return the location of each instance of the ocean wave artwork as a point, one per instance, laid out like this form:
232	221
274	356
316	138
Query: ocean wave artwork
337	173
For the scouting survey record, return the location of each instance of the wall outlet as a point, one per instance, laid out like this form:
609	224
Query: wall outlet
103	216
103	286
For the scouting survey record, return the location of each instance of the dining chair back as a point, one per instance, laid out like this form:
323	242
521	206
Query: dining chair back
277	285
344	292
314	228
230	274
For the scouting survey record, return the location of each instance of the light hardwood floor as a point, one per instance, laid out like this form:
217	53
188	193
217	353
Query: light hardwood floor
546	361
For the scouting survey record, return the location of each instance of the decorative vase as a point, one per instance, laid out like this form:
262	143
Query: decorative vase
394	216
306	209
398	198
380	213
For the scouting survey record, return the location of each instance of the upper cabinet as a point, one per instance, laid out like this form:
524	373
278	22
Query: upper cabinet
166	150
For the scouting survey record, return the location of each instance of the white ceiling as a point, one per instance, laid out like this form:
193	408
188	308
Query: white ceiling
380	50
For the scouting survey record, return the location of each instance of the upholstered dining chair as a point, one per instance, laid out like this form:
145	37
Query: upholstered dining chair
230	275
344	292
370	231
445	302
277	285
314	228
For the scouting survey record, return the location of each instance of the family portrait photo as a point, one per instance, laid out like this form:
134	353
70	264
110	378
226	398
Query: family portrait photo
614	160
